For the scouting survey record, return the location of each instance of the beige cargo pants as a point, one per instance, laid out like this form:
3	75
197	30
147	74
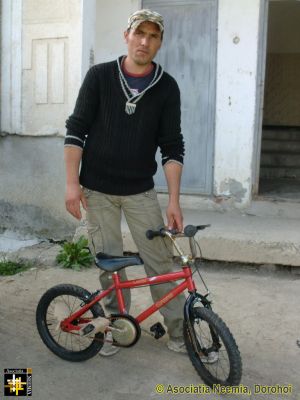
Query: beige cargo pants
142	212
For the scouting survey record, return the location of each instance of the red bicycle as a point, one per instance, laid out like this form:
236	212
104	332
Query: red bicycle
72	323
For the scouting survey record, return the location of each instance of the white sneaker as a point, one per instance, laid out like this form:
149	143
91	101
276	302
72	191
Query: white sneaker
177	345
212	357
108	349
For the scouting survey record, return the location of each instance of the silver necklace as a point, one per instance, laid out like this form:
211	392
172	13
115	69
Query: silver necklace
130	104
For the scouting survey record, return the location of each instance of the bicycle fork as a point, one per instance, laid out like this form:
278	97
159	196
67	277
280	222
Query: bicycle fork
188	310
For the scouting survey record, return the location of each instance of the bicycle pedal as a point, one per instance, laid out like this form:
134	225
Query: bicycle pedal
87	329
97	325
157	330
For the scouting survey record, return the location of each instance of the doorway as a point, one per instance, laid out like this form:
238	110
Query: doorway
280	146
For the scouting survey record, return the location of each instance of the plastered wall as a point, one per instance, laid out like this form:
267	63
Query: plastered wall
51	53
41	66
238	27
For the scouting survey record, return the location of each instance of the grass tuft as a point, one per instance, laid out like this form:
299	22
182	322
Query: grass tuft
13	267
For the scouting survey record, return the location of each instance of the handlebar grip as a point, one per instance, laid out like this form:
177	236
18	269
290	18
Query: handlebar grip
191	230
150	234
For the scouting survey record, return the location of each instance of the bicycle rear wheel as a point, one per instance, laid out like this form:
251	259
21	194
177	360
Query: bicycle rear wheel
212	348
58	303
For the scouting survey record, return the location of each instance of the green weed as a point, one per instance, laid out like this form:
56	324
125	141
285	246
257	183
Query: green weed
75	255
13	267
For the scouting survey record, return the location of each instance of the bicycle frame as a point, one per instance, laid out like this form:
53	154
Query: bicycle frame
118	286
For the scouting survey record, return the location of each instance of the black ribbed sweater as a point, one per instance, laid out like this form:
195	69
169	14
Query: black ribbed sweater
119	149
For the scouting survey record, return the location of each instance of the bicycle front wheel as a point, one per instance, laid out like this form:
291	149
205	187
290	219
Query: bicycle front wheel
212	348
57	304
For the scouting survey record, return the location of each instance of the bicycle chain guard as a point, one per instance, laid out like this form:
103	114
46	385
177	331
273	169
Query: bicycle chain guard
125	330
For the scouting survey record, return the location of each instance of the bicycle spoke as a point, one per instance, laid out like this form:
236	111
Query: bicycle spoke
59	336
75	342
224	372
55	333
55	306
66	303
73	306
66	341
78	340
71	338
220	369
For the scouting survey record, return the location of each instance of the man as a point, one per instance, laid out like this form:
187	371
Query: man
124	111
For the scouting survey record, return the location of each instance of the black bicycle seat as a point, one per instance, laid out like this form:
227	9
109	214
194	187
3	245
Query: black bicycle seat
111	263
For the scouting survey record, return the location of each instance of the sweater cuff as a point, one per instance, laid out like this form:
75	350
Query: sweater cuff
71	140
178	159
173	161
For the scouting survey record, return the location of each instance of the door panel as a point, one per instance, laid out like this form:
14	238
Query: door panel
189	55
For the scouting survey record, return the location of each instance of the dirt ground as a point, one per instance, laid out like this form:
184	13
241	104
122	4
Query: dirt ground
261	310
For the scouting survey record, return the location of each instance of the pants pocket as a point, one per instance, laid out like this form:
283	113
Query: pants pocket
150	194
95	239
86	192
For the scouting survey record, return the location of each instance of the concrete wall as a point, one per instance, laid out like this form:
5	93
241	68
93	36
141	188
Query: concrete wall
52	43
11	66
111	23
41	56
32	186
89	23
56	44
238	29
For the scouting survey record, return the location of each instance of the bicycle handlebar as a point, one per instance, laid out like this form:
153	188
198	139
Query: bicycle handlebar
150	234
189	231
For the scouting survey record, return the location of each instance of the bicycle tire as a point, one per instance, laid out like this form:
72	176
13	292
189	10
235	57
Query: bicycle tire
212	324
44	324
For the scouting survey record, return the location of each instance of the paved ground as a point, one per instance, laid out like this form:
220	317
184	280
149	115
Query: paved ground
261	309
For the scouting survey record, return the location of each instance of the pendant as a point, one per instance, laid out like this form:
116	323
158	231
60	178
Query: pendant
130	108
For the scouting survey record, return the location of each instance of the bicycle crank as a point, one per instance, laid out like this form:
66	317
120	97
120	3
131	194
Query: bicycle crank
96	325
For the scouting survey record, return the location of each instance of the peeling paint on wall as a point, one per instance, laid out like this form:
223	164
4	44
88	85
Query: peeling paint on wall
33	220
32	186
233	188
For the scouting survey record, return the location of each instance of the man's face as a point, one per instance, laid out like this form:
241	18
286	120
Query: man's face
143	43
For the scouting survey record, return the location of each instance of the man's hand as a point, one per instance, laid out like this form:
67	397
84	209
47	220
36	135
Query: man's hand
73	197
174	216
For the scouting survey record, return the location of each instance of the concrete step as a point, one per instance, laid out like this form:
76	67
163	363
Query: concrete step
265	233
277	159
246	237
281	133
281	190
286	147
279	172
